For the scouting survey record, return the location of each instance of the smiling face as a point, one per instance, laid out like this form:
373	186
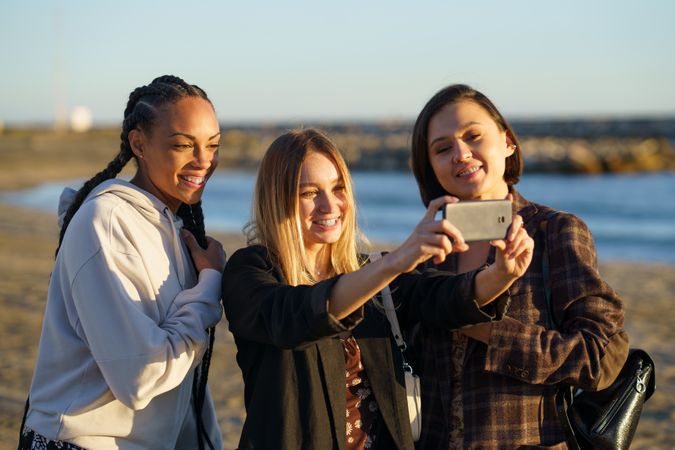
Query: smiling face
467	152
323	202
179	153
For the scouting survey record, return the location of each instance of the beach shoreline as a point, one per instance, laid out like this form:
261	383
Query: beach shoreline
27	242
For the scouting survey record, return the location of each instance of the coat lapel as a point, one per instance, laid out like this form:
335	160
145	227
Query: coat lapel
378	361
333	362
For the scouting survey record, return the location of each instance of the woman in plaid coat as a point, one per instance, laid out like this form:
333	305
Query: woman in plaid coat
493	385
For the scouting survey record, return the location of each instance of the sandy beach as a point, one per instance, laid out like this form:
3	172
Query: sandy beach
28	240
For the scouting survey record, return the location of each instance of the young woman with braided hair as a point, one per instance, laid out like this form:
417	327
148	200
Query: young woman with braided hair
127	313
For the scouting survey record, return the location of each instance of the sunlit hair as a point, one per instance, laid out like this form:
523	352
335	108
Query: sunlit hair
275	221
428	184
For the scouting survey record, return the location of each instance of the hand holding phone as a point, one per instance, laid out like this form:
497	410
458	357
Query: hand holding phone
482	220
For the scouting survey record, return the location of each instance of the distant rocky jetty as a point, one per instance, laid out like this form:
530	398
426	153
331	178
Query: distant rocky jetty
595	146
561	146
576	155
569	146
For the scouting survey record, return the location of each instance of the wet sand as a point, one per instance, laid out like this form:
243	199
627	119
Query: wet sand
27	242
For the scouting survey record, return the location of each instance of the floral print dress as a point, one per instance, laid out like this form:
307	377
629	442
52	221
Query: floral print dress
362	410
30	440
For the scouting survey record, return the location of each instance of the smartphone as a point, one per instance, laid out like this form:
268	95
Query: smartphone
481	220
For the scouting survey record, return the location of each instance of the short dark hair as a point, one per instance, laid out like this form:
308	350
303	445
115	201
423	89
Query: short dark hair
427	182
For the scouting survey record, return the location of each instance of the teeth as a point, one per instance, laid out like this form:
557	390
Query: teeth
195	180
468	171
327	223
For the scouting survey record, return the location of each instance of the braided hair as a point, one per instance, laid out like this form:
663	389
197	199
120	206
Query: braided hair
193	221
140	113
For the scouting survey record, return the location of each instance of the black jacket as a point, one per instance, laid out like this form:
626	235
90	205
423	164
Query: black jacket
292	361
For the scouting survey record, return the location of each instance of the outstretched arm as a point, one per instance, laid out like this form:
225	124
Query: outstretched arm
435	239
430	239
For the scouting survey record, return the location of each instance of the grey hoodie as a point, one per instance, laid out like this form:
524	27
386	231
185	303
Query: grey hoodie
124	328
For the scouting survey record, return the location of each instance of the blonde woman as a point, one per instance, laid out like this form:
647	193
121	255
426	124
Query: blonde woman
320	367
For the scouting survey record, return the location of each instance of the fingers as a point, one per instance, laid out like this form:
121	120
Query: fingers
440	233
421	246
436	204
499	244
431	238
522	245
446	230
213	245
516	225
515	228
189	239
440	242
433	244
515	245
432	251
446	227
210	241
437	241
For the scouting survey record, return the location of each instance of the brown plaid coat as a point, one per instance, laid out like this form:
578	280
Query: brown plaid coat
506	389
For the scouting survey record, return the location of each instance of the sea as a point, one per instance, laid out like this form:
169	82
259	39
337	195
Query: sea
631	216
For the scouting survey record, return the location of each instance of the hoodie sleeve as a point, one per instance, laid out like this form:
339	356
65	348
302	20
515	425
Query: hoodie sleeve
138	357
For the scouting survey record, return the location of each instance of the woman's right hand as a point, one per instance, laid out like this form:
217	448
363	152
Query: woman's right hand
213	257
430	238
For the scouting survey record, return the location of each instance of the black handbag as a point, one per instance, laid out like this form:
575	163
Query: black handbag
605	419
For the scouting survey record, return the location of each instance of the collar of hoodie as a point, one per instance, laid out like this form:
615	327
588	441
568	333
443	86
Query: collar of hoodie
153	209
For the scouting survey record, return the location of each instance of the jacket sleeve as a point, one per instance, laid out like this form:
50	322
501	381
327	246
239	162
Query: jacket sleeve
590	346
138	357
261	307
438	299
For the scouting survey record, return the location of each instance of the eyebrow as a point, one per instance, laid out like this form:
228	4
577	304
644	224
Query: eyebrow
461	128
189	136
334	180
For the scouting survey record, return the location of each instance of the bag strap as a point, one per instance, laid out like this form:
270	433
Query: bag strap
546	269
390	311
564	394
23	420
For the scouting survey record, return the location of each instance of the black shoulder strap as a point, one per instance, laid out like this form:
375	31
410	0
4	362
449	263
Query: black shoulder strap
564	397
23	420
546	269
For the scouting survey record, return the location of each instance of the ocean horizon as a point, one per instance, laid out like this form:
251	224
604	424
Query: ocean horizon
631	216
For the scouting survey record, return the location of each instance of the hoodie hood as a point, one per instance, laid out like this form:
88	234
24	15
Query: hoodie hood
149	206
144	202
65	200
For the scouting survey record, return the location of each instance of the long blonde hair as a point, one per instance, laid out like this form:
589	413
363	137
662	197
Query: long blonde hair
275	221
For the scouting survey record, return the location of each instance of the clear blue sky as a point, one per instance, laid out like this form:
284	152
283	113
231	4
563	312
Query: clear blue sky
311	60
